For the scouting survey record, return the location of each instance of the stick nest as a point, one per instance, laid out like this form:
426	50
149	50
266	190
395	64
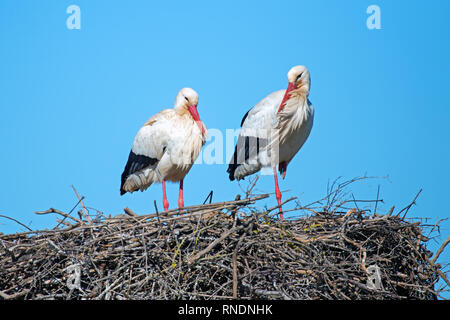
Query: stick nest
222	251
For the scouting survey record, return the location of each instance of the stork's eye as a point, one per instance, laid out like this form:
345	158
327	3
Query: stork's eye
298	77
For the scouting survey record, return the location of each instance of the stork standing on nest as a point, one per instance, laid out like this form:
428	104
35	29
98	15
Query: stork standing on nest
166	147
274	130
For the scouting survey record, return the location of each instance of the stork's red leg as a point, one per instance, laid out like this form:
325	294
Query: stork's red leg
165	202
180	195
282	166
277	192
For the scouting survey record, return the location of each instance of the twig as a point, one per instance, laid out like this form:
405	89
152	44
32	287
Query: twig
250	189
409	206
13	296
441	249
3	216
212	245
376	202
52	210
130	212
210	195
235	275
86	213
156	208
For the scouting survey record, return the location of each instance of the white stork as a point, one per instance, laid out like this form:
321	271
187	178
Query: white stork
274	130
166	147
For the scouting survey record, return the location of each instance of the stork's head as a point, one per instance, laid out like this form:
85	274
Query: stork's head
299	80
187	100
299	75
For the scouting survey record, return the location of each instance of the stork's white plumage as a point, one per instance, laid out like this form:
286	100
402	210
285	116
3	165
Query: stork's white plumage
166	147
274	130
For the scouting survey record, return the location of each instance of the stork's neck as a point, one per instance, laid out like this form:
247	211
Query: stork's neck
294	91
186	118
298	98
302	91
182	111
293	116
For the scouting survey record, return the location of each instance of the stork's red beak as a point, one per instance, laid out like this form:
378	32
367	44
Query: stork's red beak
290	87
194	113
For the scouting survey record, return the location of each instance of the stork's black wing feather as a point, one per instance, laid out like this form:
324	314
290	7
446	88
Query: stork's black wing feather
245	143
135	163
247	147
245	117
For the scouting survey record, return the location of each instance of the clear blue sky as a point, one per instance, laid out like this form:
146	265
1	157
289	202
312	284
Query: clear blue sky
71	101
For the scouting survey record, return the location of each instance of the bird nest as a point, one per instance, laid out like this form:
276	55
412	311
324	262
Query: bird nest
234	249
